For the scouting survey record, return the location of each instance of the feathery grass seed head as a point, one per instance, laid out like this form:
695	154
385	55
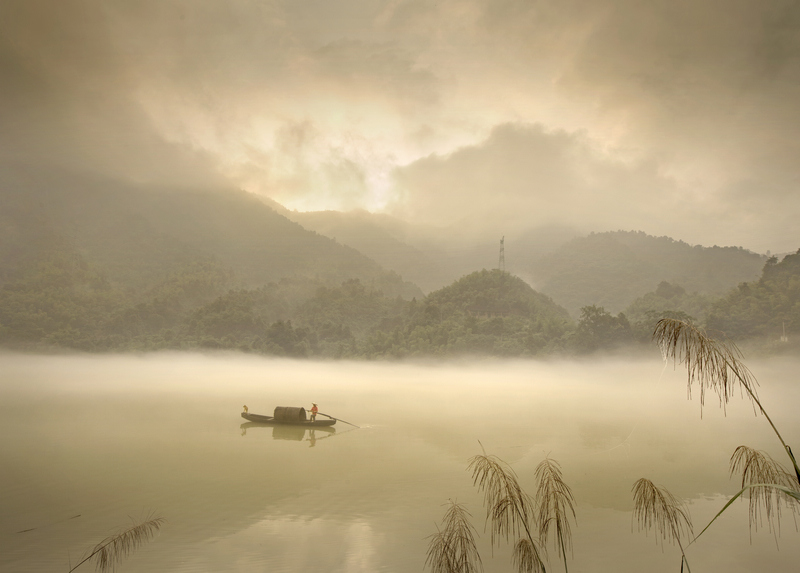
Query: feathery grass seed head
714	365
758	467
555	504
656	508
452	549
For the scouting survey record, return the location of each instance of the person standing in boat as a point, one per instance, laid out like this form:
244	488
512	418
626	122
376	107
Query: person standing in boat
314	411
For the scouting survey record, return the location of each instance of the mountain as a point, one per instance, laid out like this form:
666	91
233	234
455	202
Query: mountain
98	264
609	270
377	237
613	269
486	312
136	236
429	257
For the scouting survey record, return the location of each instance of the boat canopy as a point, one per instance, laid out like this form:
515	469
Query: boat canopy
290	414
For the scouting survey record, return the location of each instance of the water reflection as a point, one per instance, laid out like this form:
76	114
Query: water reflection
295	433
115	436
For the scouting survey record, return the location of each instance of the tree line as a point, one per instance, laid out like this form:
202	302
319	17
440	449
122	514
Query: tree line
58	300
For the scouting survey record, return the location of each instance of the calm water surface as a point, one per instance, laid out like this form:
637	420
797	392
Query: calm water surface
89	445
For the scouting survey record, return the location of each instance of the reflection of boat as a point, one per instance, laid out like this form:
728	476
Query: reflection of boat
287	417
290	432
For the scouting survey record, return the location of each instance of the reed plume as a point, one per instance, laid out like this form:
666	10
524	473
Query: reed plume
555	504
714	365
509	509
656	508
759	471
452	548
512	512
113	550
526	557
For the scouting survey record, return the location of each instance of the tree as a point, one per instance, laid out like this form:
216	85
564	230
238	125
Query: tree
599	329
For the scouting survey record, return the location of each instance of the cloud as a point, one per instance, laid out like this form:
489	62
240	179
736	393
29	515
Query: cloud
525	176
602	114
69	100
303	166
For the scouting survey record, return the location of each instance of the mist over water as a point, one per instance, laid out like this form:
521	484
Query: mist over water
90	443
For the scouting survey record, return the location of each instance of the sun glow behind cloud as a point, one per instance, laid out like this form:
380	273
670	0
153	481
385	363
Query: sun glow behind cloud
690	134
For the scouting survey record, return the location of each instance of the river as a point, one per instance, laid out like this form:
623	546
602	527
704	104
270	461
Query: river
92	444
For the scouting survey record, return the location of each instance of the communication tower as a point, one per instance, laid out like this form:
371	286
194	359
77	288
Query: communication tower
502	264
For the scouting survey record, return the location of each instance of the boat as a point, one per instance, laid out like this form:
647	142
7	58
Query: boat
287	416
259	419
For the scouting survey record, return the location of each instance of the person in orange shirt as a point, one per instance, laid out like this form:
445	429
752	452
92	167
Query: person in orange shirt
314	411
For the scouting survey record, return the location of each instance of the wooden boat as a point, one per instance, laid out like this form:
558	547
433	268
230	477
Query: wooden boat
258	418
287	416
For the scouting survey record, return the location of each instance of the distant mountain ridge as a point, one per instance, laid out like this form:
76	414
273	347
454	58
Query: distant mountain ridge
613	269
391	242
97	264
137	235
609	269
429	257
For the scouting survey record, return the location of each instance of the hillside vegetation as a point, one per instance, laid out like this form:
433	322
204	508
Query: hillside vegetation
98	266
613	269
761	310
136	237
485	312
765	308
60	301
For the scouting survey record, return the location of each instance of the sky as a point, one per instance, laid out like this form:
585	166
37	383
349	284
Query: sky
673	117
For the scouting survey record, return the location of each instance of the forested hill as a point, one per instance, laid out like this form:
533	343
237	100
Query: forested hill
485	312
496	293
764	308
612	269
135	237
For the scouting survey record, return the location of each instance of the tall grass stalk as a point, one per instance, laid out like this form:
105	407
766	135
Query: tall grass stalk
714	365
555	503
656	508
452	548
789	493
514	513
758	467
511	513
718	366
113	550
509	510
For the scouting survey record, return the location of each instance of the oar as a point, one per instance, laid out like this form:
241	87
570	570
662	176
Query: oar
338	420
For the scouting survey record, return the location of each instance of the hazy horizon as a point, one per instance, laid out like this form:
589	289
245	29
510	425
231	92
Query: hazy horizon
493	118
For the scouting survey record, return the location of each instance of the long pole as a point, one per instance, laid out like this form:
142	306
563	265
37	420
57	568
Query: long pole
338	420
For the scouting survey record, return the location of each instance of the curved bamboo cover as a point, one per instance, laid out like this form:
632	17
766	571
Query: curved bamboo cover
289	414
